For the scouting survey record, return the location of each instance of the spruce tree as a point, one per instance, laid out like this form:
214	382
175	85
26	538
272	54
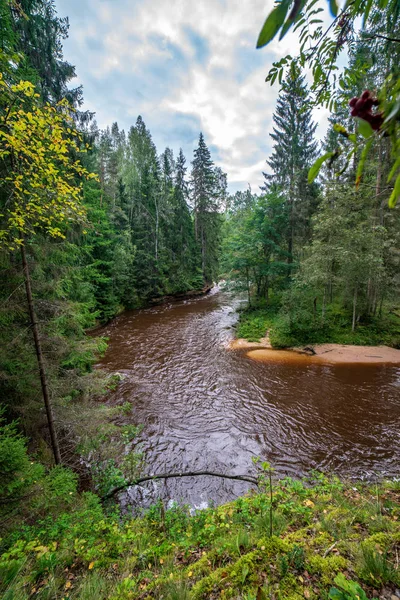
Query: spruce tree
183	243
294	151
206	191
142	179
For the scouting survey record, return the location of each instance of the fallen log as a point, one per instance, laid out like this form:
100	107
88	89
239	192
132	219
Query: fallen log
140	480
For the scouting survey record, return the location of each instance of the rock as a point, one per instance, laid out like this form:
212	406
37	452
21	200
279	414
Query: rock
309	350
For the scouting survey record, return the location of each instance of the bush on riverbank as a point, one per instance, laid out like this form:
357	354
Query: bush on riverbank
323	534
335	328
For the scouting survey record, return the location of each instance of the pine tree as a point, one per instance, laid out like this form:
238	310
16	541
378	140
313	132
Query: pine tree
294	151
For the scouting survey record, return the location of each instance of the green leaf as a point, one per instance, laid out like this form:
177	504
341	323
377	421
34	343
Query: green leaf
395	195
285	28
316	167
367	10
334	594
293	17
364	128
343	131
393	169
333	8
394	112
361	164
273	23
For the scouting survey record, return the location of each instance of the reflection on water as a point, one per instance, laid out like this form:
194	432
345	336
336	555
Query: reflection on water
205	407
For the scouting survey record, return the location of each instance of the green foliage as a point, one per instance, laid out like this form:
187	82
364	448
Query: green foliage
81	549
208	186
376	568
273	23
254	324
17	471
351	590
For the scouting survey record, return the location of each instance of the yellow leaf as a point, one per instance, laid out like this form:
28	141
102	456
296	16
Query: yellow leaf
308	503
91	565
68	585
161	561
190	573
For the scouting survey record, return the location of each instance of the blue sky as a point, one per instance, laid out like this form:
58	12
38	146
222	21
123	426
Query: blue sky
186	66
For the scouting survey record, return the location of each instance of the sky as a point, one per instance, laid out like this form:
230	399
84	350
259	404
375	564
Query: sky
185	66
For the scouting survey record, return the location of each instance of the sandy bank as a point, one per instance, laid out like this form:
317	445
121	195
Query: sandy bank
324	353
242	344
328	353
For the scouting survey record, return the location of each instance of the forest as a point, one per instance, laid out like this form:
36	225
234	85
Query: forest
95	222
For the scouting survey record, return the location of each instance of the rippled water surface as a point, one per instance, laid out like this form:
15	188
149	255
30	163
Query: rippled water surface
206	407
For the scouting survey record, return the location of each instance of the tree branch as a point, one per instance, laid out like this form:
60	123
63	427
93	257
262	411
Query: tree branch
140	480
383	37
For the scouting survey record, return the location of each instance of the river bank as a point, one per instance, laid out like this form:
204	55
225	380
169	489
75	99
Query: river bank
158	301
267	338
318	353
318	538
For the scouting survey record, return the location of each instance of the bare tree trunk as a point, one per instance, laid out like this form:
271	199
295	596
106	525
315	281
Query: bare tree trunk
157	226
353	326
381	304
248	285
39	356
203	252
323	305
378	184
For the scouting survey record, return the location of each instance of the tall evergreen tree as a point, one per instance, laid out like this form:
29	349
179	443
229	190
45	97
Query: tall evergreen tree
295	149
32	35
142	178
206	190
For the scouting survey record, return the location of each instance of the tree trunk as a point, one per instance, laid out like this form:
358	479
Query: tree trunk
248	285
323	305
203	253
381	305
353	326
39	356
157	227
378	184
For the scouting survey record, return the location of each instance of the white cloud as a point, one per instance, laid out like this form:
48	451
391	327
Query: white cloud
140	57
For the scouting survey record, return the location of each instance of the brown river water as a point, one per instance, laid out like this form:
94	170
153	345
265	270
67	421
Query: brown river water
205	407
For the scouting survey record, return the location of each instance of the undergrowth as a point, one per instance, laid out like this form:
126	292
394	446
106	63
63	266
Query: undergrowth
284	332
329	540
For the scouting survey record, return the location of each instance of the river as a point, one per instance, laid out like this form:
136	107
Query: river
205	407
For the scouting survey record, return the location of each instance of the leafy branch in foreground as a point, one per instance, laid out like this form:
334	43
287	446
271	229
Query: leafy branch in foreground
372	126
320	48
377	115
38	145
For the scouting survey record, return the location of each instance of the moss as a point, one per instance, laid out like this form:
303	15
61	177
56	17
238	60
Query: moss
222	552
290	588
207	585
326	567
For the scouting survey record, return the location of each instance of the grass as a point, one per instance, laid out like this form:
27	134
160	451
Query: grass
321	528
